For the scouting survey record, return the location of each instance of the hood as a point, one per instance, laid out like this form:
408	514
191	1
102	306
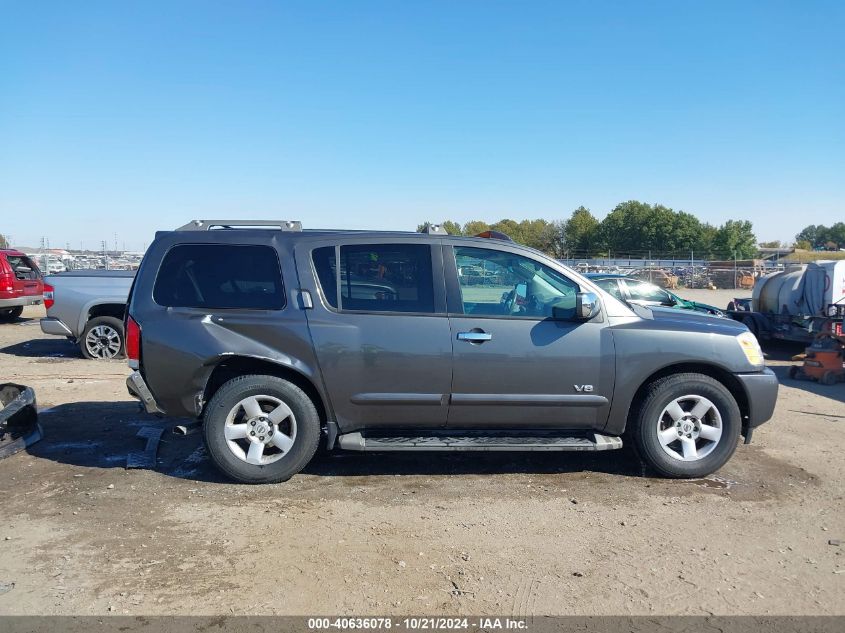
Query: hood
690	320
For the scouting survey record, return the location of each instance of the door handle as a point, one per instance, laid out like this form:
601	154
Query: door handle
474	337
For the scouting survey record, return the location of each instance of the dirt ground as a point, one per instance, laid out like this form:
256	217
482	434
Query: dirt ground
520	534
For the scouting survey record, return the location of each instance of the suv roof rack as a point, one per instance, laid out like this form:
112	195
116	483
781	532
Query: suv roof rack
433	229
208	225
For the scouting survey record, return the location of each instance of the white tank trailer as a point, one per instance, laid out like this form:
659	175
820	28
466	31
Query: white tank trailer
792	304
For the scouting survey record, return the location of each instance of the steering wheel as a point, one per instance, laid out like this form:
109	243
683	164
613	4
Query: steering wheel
509	300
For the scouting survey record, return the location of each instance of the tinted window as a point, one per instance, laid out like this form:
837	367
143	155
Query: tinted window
498	283
218	276
377	277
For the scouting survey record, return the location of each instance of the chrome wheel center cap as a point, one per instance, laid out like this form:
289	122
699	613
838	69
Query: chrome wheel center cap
260	430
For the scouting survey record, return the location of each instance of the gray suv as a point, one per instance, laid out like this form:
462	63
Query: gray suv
281	338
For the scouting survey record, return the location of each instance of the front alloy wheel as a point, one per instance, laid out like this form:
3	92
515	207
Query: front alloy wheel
687	425
689	428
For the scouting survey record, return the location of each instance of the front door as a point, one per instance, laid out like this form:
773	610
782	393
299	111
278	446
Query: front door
380	330
520	360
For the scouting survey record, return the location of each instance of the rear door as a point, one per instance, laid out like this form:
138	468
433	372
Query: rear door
380	329
517	363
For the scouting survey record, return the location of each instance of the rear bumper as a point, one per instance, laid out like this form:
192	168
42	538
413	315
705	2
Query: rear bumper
138	389
52	325
761	390
23	300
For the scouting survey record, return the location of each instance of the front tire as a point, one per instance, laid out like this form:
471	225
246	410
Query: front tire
102	339
687	426
261	429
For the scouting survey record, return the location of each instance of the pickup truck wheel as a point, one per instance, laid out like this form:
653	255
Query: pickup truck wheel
102	338
10	314
687	426
261	429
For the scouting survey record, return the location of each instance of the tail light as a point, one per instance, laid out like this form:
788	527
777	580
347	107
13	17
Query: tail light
7	277
48	296
133	342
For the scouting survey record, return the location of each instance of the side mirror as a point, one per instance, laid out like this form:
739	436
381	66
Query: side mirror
587	306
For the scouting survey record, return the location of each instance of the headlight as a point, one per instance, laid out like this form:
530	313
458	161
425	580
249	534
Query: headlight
751	348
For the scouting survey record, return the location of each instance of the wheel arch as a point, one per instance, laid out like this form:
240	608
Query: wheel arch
94	310
232	366
726	378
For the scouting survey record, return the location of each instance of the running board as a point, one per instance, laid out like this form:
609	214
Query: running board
478	441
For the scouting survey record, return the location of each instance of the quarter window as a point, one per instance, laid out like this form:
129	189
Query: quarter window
220	276
377	277
498	283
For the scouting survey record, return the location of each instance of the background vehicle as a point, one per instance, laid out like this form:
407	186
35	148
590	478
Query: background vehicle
20	284
87	306
265	334
645	293
794	304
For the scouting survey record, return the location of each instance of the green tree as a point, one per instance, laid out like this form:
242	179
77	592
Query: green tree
772	244
4	242
581	231
735	238
804	245
555	239
474	227
452	228
812	234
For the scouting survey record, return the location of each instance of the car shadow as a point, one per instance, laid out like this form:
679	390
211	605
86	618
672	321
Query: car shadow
103	434
43	347
834	392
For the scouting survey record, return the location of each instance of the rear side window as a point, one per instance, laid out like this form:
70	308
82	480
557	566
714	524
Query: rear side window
377	277
220	276
20	264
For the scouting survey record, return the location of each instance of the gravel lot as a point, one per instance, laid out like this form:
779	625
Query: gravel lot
526	535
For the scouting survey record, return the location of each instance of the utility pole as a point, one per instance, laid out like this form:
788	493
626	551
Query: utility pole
105	254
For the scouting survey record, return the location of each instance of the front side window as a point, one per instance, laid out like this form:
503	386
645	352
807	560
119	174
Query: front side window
497	283
377	277
220	276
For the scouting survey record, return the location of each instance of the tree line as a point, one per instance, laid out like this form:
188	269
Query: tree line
821	237
632	228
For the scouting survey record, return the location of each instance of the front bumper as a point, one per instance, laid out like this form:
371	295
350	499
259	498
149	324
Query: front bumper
52	325
23	300
761	390
138	389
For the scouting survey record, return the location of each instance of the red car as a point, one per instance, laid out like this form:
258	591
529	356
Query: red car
20	284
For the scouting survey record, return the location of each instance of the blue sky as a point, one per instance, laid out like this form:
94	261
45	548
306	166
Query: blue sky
128	117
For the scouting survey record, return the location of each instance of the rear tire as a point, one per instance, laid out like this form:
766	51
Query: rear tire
828	378
10	314
687	426
250	410
103	339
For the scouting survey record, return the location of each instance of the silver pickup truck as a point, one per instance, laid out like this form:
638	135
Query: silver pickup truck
87	307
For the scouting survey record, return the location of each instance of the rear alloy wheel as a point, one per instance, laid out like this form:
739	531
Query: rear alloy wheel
102	338
261	429
688	426
10	314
